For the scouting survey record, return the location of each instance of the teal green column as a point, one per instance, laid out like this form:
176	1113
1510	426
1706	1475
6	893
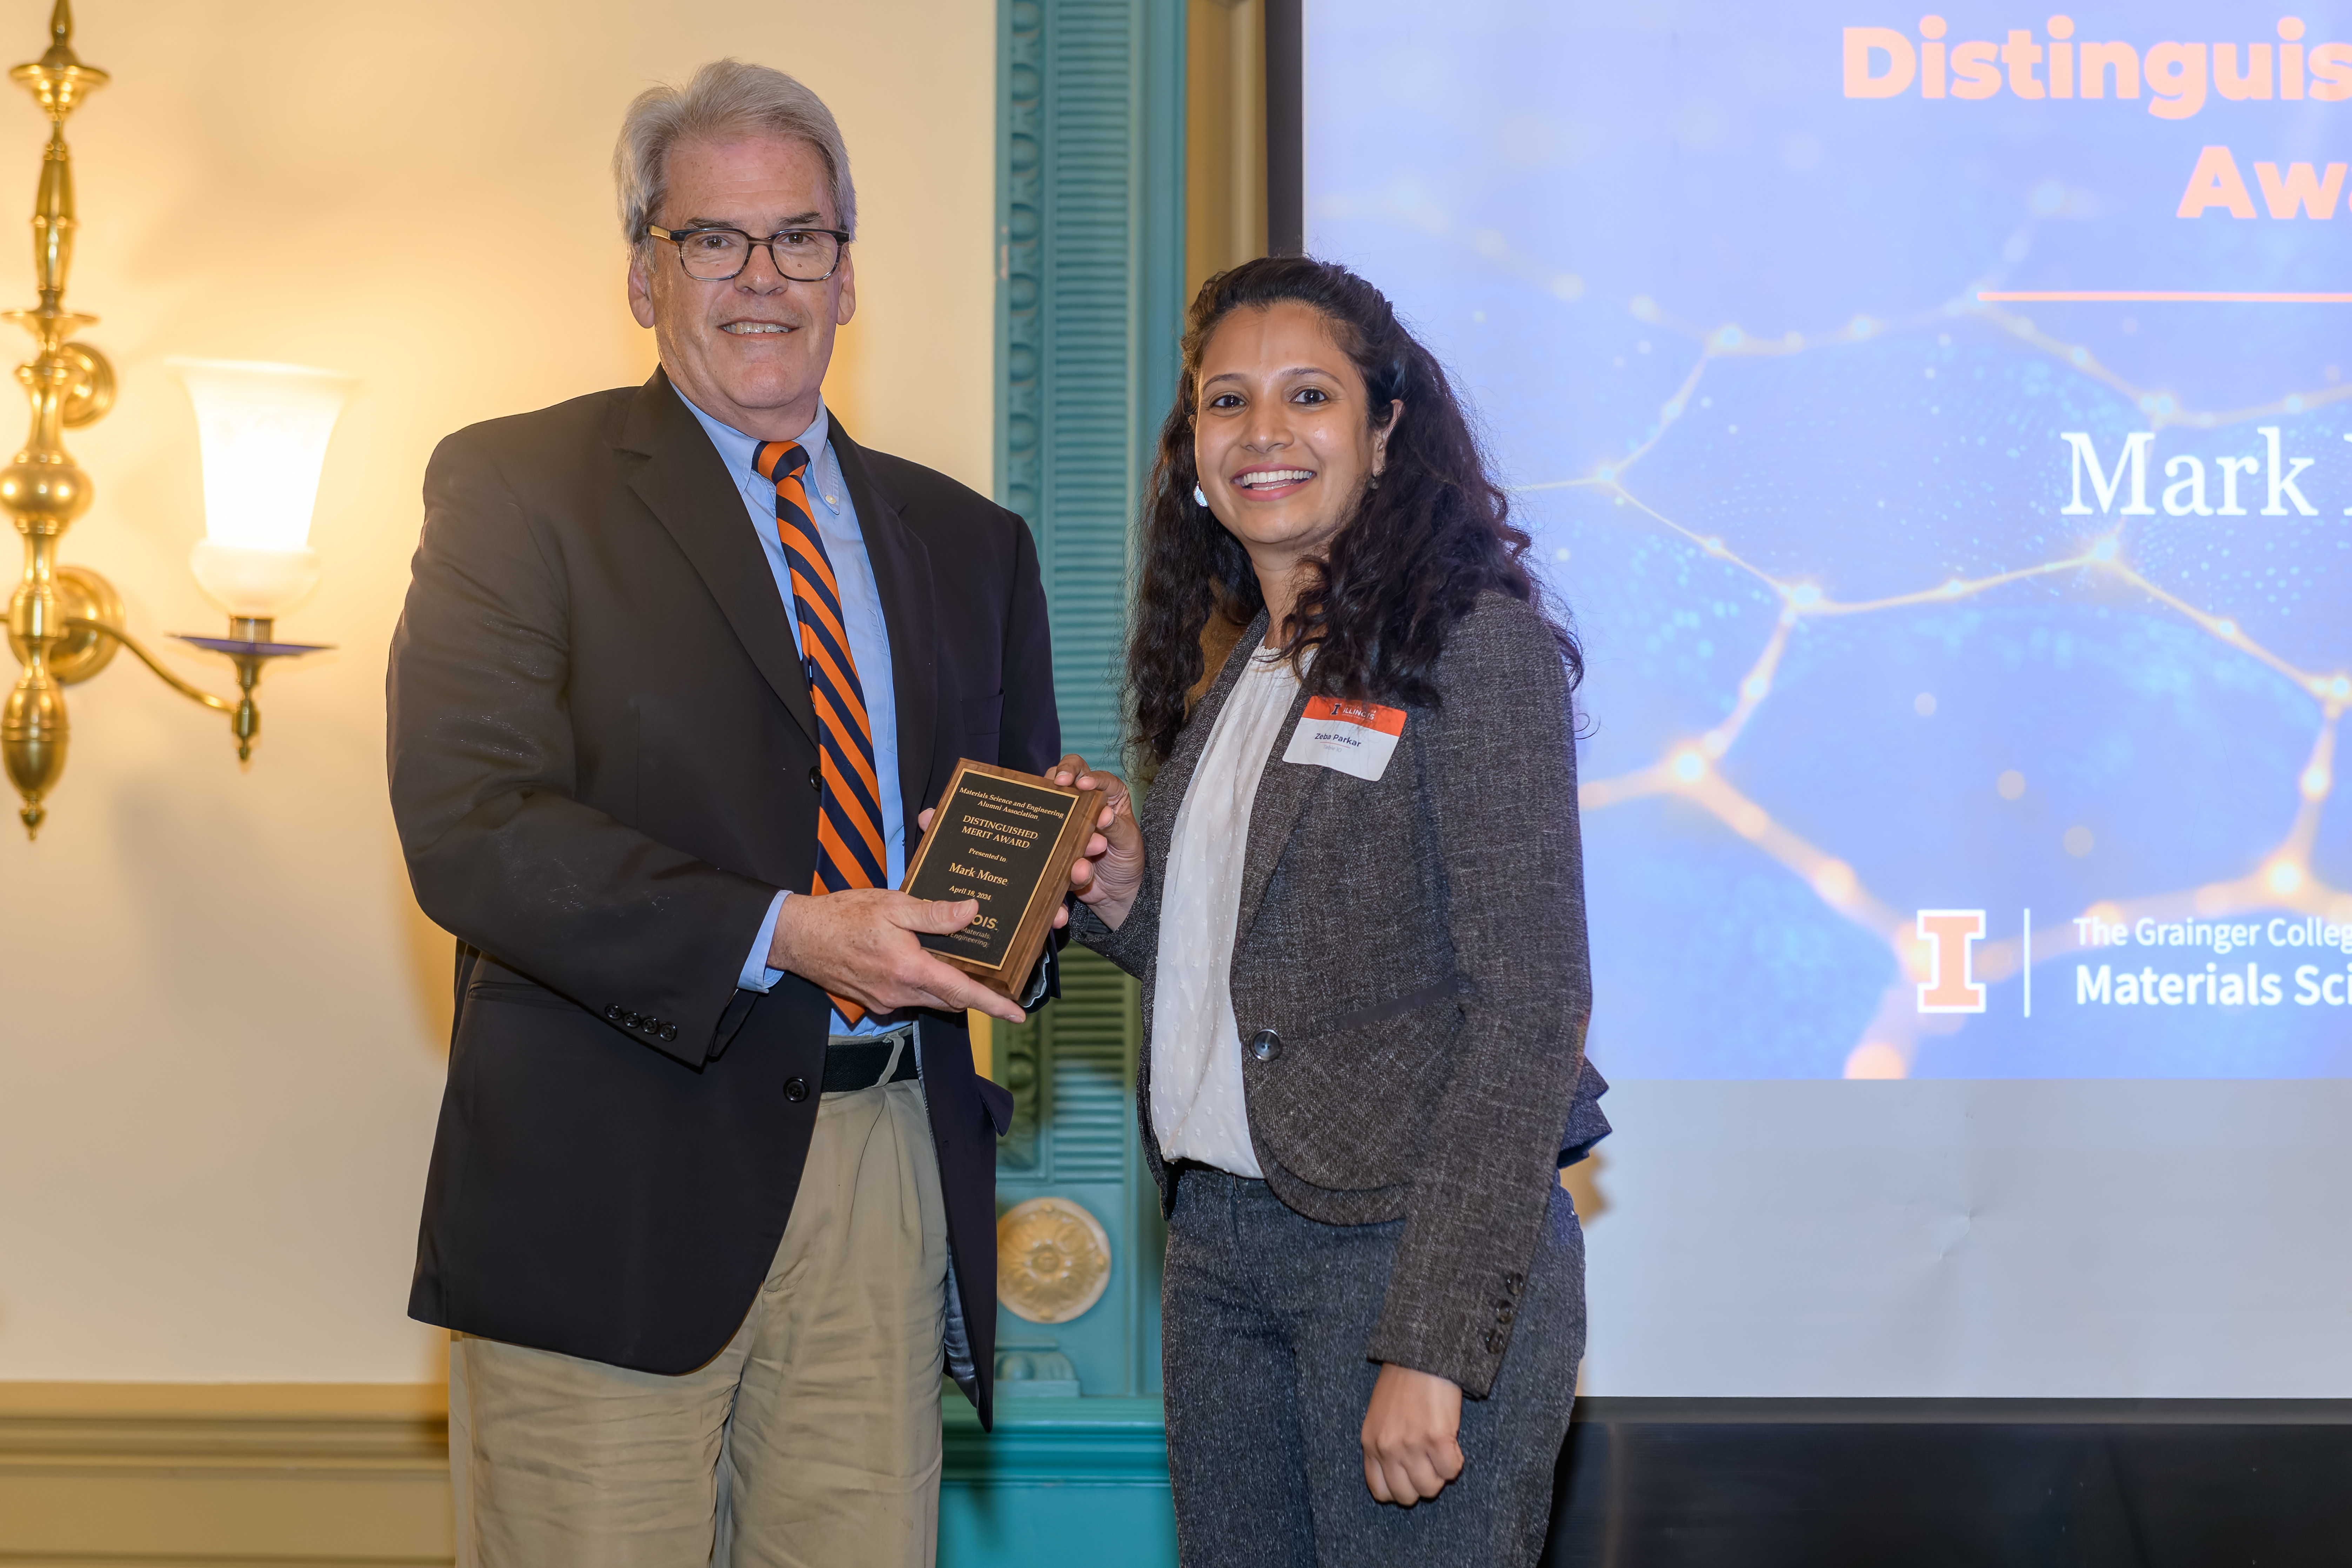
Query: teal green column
1091	245
1090	303
1090	183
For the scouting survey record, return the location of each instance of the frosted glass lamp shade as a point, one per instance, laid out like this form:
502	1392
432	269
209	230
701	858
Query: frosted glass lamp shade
247	580
263	430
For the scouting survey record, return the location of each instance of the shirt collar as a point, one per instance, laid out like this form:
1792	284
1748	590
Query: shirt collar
740	451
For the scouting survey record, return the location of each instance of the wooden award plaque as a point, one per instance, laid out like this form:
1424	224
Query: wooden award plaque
1006	839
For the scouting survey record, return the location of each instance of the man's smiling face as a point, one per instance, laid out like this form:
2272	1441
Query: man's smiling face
750	352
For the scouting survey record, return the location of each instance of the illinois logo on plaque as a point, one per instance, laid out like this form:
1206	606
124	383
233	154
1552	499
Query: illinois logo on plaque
1006	839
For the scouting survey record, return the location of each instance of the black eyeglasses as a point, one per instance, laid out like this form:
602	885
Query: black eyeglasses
716	255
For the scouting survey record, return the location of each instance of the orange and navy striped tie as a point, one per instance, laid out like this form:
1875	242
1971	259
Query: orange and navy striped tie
850	852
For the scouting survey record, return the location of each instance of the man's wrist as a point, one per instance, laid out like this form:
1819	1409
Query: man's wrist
782	943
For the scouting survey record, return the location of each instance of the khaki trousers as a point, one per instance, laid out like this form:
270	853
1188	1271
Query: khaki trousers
811	1441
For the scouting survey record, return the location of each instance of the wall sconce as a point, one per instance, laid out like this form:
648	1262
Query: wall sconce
263	429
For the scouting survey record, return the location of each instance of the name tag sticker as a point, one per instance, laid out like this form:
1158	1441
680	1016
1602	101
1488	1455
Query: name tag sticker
1355	738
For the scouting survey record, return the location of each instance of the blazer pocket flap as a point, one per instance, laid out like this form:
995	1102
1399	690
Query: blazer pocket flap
1404	1047
1414	1001
998	1101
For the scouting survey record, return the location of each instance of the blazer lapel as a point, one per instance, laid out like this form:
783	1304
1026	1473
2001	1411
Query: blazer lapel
1175	775
686	485
1283	792
902	577
1283	789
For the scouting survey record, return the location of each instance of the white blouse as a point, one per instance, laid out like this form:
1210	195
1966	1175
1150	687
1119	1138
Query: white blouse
1197	1108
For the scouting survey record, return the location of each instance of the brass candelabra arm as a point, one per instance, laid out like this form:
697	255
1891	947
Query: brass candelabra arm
250	648
138	649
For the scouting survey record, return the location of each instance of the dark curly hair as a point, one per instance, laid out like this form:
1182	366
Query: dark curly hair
1423	544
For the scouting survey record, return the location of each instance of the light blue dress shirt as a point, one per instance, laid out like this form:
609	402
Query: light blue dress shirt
861	617
869	644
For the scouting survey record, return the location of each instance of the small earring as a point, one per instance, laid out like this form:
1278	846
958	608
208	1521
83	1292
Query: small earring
1375	483
1199	498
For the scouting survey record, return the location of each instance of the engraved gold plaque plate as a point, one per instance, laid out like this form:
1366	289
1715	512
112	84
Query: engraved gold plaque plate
1005	840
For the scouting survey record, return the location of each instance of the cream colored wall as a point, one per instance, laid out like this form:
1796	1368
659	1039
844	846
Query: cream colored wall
222	1019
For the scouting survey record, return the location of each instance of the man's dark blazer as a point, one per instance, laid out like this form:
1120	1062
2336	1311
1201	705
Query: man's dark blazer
603	759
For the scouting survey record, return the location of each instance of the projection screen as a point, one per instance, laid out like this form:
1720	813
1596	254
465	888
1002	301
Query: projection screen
1938	426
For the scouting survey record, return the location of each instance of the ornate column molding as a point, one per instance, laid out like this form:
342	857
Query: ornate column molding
1091	197
1090	263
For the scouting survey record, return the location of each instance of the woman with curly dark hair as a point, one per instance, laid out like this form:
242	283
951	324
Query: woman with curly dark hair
1356	906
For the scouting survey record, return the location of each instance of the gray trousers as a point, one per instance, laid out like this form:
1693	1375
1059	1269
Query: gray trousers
1263	1319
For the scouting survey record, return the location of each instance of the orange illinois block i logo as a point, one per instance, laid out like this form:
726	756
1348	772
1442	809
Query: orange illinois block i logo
1950	937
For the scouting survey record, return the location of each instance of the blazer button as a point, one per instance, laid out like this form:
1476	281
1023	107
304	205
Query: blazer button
669	1034
1494	1342
634	1020
796	1089
1266	1045
613	1013
817	780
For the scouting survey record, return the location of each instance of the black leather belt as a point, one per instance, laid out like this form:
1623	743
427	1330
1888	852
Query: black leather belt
853	1062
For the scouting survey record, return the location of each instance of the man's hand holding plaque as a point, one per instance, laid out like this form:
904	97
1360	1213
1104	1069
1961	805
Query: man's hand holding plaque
865	943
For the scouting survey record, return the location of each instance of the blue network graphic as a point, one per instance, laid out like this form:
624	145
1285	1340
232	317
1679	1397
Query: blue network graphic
1806	489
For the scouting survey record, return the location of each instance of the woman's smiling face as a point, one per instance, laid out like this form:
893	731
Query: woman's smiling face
1283	440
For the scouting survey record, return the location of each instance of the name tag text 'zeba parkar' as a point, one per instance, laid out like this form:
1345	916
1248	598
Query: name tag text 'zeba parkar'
1355	738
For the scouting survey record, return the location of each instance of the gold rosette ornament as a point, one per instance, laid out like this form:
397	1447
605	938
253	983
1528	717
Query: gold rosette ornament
1052	1260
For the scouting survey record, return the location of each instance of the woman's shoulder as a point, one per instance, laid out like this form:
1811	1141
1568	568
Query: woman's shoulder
1503	637
1498	615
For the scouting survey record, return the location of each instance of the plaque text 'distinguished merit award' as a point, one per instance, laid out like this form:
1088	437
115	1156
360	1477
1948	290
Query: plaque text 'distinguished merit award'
1005	839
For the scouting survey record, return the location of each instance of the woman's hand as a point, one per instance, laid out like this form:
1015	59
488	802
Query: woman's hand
1109	873
1410	1452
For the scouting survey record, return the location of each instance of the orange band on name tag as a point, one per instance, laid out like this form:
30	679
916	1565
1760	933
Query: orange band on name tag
1371	715
1355	738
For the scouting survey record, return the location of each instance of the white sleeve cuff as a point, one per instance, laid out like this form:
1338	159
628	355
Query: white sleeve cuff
757	975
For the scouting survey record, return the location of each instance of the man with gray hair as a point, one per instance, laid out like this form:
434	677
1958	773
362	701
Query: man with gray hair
711	1202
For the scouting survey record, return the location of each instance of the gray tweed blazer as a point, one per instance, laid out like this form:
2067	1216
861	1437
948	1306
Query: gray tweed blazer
1418	943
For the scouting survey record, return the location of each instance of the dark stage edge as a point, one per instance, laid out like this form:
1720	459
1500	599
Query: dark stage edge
1286	127
1923	1483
